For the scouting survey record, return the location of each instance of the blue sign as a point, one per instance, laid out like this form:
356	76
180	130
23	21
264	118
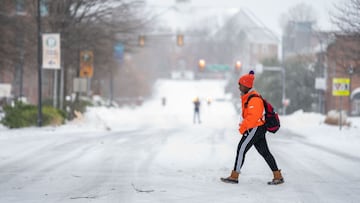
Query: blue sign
119	51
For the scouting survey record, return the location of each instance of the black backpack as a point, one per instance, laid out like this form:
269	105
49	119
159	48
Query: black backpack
272	121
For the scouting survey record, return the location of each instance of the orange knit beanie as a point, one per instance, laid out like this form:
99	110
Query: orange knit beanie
248	79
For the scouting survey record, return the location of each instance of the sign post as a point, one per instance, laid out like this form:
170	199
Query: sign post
51	58
341	88
119	57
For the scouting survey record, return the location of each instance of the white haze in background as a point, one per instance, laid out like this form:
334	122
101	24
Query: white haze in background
267	12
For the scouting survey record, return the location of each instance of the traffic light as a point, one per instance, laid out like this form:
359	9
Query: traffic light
238	65
202	64
180	40
141	40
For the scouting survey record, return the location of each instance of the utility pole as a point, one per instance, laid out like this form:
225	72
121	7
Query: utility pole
39	60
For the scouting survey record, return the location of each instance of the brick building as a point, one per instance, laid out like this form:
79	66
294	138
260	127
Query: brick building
18	50
343	61
335	56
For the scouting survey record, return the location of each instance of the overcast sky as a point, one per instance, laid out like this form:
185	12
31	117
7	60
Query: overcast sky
268	11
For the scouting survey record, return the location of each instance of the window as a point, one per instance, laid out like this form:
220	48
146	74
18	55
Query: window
44	11
20	7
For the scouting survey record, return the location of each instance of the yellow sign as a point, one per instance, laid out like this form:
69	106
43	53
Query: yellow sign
341	87
86	64
86	72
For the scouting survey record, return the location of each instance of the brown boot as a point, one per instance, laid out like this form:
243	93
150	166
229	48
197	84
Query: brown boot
278	179
233	178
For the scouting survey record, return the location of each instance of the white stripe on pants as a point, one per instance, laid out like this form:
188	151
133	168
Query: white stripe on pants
241	152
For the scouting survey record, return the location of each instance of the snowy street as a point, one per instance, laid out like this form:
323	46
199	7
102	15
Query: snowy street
155	153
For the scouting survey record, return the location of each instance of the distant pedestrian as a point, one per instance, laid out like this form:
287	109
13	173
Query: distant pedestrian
253	131
196	110
163	101
209	101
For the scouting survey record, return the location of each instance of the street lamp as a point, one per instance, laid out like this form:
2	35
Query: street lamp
238	65
180	40
202	64
141	40
39	60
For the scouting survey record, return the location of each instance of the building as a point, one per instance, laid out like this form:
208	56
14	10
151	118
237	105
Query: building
18	51
298	38
334	56
258	42
343	61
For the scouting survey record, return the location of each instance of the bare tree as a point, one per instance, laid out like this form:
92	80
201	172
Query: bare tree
95	25
15	49
5	51
299	13
7	42
347	17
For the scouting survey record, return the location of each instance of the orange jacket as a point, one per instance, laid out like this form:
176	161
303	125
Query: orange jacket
253	114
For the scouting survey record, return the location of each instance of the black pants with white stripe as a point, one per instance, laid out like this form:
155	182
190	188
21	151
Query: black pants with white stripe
256	137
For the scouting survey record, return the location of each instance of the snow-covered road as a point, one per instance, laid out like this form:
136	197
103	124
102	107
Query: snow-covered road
156	154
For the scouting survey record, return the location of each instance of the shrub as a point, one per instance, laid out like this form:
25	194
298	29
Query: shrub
19	116
25	115
81	105
52	116
78	105
333	118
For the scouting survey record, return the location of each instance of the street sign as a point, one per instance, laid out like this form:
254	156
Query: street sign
259	68
51	51
217	67
5	90
320	83
80	85
86	64
341	87
119	51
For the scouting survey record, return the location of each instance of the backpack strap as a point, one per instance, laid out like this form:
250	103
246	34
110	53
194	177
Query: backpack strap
251	96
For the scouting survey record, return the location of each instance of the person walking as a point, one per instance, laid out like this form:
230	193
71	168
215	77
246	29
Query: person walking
196	110
253	131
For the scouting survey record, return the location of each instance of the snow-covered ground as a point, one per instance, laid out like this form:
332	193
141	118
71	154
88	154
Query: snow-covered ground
155	153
